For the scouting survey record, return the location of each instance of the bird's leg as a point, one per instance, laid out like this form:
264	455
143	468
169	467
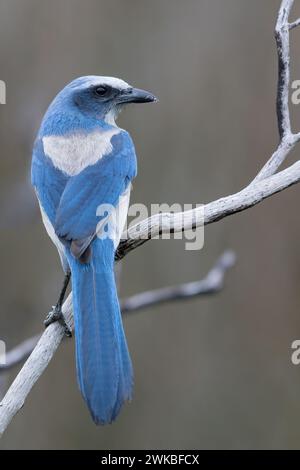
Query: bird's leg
56	312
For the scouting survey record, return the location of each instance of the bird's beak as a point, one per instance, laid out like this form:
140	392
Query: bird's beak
135	95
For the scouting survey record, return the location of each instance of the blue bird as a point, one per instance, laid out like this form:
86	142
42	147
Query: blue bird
83	161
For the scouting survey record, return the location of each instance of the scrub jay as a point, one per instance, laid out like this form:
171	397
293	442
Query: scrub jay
82	160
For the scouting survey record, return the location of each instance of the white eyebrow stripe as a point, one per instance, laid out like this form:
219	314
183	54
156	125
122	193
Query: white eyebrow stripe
112	81
72	154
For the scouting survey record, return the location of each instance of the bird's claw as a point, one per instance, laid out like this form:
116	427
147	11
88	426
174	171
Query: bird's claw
57	315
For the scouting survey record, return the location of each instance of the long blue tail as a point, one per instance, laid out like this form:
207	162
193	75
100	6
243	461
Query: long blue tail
104	369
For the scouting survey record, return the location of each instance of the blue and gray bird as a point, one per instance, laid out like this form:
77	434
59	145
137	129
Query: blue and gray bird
81	161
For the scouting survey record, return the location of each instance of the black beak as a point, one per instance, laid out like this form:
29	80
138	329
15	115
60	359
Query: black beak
135	95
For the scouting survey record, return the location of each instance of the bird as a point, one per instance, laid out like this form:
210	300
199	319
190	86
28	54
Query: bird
82	161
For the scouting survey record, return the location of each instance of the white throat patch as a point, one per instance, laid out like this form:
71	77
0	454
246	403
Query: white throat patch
72	154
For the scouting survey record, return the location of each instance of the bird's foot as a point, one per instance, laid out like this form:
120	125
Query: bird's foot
57	315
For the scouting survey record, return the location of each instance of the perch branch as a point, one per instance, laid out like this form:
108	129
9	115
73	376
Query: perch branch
264	185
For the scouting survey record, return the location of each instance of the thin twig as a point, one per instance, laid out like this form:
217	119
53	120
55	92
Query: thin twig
286	137
210	284
16	356
283	51
19	353
294	24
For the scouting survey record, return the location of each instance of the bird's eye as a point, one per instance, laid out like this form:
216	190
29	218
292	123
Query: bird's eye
102	90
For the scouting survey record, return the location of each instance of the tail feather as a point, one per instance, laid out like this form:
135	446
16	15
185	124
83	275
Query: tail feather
104	368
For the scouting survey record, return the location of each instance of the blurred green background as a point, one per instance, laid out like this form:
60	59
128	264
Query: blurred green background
209	373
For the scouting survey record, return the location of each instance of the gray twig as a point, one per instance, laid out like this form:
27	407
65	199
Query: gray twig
16	356
294	24
212	283
19	353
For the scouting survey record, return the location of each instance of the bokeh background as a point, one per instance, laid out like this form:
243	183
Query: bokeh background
209	373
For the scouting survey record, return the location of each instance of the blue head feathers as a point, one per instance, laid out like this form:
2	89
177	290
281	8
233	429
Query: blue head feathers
88	101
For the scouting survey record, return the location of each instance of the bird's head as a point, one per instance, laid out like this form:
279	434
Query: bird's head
102	97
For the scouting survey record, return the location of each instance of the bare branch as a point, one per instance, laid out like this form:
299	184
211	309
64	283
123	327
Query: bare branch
284	148
283	51
264	185
43	351
33	368
19	353
211	284
287	138
294	24
214	211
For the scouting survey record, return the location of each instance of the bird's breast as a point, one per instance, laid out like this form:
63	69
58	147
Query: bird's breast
73	153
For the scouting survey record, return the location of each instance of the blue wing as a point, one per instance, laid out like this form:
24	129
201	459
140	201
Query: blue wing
71	202
48	181
101	183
